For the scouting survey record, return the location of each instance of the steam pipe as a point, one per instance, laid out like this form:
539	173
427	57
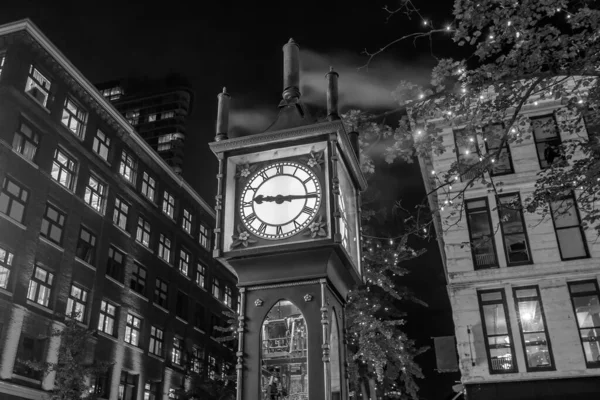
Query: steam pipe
291	70
223	116
332	95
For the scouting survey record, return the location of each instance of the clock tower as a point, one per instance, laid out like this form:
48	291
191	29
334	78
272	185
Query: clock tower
288	225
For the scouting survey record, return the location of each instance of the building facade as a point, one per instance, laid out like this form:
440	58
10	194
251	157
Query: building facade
524	288
157	109
92	220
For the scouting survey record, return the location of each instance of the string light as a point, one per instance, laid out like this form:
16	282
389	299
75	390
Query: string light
421	96
432	172
425	22
509	23
419	132
448	28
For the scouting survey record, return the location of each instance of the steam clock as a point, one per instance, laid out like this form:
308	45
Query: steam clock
288	227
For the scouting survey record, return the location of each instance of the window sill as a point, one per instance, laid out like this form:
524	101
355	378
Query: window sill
172	219
166	262
100	213
66	189
185	275
159	358
6	292
183	321
107	336
85	264
26	379
56	246
160	307
141	296
128	181
28	161
39	306
199	330
38	103
12	221
116	282
122	230
143	246
132	347
75	135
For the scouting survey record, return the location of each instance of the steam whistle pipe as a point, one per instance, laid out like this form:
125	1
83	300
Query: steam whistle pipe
332	95
223	116
291	70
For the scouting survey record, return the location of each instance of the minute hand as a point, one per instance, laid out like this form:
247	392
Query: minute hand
279	199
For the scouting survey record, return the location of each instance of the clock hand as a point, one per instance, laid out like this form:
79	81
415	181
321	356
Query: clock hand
279	199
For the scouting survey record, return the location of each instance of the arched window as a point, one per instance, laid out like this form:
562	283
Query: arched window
334	358
284	347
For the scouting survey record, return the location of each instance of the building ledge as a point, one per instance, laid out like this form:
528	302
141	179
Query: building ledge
6	292
51	243
159	358
183	321
141	296
135	348
85	264
12	221
107	336
39	307
122	230
116	282
160	307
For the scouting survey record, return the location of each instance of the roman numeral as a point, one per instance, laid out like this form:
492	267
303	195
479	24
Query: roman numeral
250	218
279	169
296	225
262	228
247	204
264	175
307	210
307	180
279	230
296	170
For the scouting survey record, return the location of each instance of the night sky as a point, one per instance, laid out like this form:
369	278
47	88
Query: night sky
238	45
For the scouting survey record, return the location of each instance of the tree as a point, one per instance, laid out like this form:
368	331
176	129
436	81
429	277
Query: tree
73	369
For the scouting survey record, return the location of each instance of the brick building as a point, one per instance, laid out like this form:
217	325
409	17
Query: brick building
93	220
523	289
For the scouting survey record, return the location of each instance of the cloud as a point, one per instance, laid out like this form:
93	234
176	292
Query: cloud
250	120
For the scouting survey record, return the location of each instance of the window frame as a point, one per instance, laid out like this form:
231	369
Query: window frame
128	166
464	176
491	235
100	146
537	298
168	204
40	85
146	187
488	150
101	193
12	198
24	139
197	359
70	171
216	283
46	233
185	259
105	317
80	115
571	196
228	295
177	351
524	225
157	342
163	249
119	214
182	306
115	267
6	262
186	221
133	332
143	231
161	297
508	330
91	258
204	236
588	364
536	141
200	267
137	282
73	302
47	283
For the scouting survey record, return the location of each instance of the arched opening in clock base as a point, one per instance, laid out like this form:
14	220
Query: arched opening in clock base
284	350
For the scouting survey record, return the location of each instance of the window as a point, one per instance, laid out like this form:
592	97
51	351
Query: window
197	359
101	386
31	348
120	213
95	194
157	341
40	286
212	367
137	282
26	141
151	117
101	145
177	349
168	114
132	330
160	293
184	262
2	58
106	320
181	308
199	317
113	93
586	304
148	186
164	248
496	329
216	288
142	234
6	260
200	275
467	152
214	323
534	334
114	265
173	394
53	224
514	235
164	142
74	117
567	224
168	205
227	294
128	167
481	233
77	302
64	169
151	391
127	386
133	117
13	200
186	223
38	86
502	163
238	304
86	246
204	236
547	140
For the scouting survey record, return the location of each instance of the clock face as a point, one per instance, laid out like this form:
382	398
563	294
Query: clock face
280	200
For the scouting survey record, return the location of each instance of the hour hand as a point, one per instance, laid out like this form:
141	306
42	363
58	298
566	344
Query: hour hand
279	199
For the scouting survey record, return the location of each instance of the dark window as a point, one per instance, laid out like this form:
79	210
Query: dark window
164	248
86	246
142	235
168	205
534	333
133	117
214	323
181	308
13	200
133	327
184	262
101	145
148	186
74	117
64	169
95	194
586	303
502	162
120	213
216	288
53	224
157	341
137	282
77	303
514	235
101	386
186	222
6	260
496	329
38	86
30	349
481	233
547	140
40	286
199	316
115	264
106	320
204	236
177	351
200	275
152	391
26	141
128	386
567	224
467	152
128	167
160	293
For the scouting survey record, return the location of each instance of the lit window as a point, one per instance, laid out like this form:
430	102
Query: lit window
501	163
115	264
156	341
184	262
26	141
168	114
238	305
101	145
13	200
2	57
467	152
101	386
74	118
6	260
212	367
200	275
53	224
151	117
497	333
127	389
151	391
133	117
227	296
481	233
38	86
95	194
86	246
186	223
148	186
106	320
164	248
586	303
142	234
216	288
181	306
168	205
177	348
133	327
161	292
137	283
514	234
197	359
173	395
120	213
204	236
547	140
567	224
128	167
64	169
77	302
40	286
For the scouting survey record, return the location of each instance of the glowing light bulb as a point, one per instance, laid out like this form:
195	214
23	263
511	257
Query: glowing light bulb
535	103
419	132
432	172
448	28
421	95
424	22
509	23
471	139
491	36
518	34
